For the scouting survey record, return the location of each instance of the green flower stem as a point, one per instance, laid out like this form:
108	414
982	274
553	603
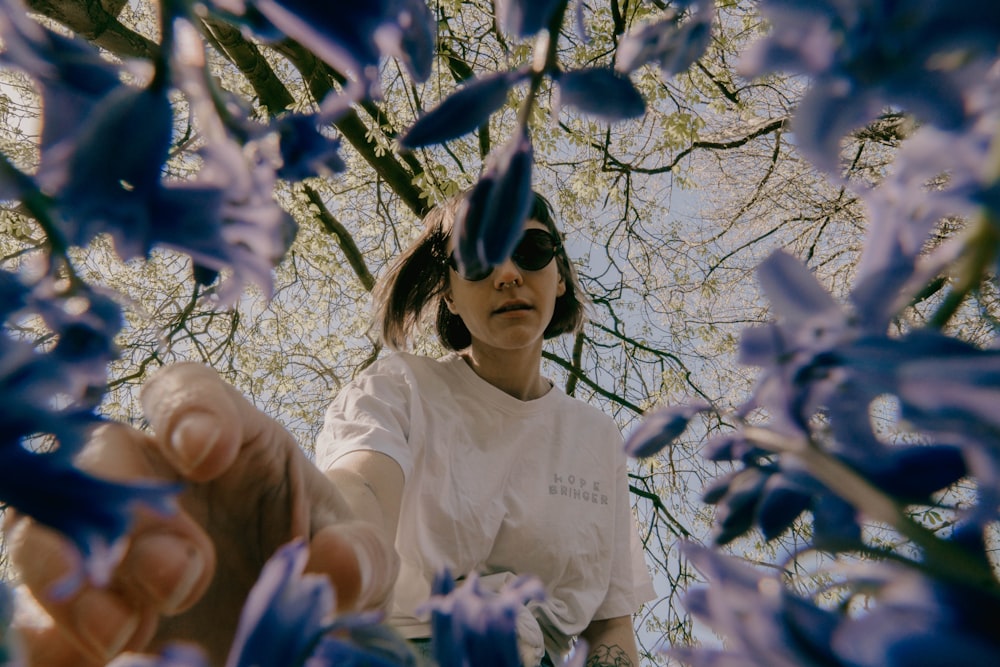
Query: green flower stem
979	250
979	253
941	558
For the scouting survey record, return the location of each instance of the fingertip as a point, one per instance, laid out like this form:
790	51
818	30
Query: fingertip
198	446
199	420
360	564
170	570
104	622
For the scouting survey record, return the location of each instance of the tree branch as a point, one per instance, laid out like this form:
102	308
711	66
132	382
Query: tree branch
98	23
344	239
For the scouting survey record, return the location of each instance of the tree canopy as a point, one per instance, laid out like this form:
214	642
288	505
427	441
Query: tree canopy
668	210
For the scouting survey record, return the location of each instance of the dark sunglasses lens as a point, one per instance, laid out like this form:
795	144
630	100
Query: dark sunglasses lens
471	273
535	250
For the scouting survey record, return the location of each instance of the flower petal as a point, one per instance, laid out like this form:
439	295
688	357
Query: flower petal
285	612
525	17
602	93
793	291
463	111
491	219
674	45
659	429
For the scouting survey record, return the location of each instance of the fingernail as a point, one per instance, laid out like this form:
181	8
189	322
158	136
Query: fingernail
192	574
377	568
104	623
169	568
193	438
365	572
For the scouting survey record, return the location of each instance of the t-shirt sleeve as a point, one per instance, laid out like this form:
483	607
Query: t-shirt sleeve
374	412
630	585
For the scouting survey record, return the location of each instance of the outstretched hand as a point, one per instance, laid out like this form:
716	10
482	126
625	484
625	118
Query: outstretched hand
248	489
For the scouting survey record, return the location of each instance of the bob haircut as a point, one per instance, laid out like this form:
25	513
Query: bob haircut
419	278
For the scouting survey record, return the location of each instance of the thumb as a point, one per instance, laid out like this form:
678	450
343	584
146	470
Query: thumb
361	564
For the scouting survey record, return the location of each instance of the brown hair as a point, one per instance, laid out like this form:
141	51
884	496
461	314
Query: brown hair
419	278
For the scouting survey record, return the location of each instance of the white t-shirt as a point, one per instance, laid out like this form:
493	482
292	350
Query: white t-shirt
495	484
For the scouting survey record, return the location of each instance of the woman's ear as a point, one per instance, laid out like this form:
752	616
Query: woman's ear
560	286
449	302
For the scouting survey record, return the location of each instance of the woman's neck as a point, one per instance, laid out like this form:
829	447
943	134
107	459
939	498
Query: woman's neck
515	372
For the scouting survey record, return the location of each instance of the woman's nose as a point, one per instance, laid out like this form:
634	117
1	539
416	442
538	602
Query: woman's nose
506	274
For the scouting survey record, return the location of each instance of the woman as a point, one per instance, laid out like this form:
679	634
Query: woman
477	462
473	462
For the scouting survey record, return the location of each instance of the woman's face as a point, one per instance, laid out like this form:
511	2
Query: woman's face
511	308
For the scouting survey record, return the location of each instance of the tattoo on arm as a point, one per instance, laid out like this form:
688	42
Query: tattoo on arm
608	656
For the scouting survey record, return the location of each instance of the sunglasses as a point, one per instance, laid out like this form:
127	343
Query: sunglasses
533	252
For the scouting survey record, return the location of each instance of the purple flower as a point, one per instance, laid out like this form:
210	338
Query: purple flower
112	171
85	322
288	620
92	513
906	211
796	297
103	143
524	18
763	623
818	360
659	429
602	93
866	55
103	147
463	111
919	621
675	46
71	74
226	218
474	627
285	613
351	37
305	150
492	217
909	619
362	640
799	375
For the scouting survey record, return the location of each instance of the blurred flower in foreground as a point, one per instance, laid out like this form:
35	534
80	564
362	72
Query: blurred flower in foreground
675	46
660	428
473	626
350	37
866	55
305	151
491	218
601	93
908	620
92	513
285	613
819	360
47	415
463	110
288	619
103	148
764	625
524	18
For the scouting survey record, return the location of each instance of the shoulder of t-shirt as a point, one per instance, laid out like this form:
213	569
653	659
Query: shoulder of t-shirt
591	415
404	364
